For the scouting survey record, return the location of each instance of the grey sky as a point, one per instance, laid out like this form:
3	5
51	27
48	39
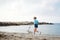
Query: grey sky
19	10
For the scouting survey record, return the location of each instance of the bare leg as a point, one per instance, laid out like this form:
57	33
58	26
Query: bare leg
35	30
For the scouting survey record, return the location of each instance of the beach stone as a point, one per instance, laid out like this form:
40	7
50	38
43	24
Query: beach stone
44	39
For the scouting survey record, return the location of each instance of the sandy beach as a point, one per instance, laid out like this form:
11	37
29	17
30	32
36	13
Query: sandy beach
26	36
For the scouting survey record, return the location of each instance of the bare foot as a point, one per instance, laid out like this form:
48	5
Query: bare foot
34	32
40	33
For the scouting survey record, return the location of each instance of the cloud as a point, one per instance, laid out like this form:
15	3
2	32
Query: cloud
27	9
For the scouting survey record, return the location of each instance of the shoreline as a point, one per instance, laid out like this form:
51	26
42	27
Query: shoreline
22	23
26	36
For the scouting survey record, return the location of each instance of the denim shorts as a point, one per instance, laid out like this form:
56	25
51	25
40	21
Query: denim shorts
36	25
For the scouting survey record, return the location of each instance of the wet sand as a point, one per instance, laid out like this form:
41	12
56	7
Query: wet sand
26	36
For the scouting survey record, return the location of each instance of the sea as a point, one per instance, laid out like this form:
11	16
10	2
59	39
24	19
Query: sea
44	29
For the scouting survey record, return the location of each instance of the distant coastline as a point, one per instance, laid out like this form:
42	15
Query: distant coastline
22	23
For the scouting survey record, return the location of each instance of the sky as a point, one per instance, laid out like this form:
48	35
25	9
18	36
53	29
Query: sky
25	10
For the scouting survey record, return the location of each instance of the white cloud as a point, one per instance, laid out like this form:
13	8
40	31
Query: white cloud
18	10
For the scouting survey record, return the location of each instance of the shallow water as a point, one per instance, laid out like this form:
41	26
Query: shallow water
44	29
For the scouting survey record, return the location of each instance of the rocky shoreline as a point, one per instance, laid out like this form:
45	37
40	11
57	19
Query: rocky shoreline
22	23
26	36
